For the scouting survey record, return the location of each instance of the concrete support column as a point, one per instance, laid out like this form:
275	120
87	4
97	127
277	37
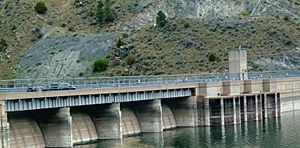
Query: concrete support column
238	111
185	111
234	111
245	109
261	106
56	126
222	111
265	106
207	112
107	121
276	106
256	107
4	127
149	114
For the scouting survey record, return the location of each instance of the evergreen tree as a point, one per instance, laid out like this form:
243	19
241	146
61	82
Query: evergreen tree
40	8
104	13
161	19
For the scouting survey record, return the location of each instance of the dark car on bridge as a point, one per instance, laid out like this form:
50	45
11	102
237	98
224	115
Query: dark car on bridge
31	88
54	87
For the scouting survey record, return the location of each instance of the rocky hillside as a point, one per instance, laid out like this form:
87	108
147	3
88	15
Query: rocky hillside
64	56
65	41
185	45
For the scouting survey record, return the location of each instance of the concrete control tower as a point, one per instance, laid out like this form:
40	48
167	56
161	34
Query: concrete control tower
238	63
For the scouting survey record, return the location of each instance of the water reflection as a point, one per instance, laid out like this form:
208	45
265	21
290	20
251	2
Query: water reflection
283	132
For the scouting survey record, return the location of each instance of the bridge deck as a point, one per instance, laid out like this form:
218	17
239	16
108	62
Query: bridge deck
93	91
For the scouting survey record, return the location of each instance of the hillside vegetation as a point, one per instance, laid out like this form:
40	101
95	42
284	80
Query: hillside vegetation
196	38
185	45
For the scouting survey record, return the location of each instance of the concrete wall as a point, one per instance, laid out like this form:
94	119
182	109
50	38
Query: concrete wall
107	120
253	86
210	89
168	118
288	84
184	110
83	128
290	101
269	85
149	114
24	131
232	88
56	126
130	124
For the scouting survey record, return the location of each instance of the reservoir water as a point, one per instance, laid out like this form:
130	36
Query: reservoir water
269	133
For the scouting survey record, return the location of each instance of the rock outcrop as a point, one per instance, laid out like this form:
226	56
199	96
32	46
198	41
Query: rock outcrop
64	56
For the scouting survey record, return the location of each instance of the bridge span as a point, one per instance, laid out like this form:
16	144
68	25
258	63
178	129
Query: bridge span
67	118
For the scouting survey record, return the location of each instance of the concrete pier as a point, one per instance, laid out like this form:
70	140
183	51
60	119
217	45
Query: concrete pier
235	111
277	106
107	121
169	121
149	114
24	131
184	110
4	135
222	111
130	124
83	128
207	112
265	106
245	117
256	108
56	127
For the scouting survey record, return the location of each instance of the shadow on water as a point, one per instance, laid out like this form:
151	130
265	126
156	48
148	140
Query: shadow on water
271	132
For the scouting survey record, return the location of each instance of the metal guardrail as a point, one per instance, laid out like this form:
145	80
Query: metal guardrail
96	82
87	81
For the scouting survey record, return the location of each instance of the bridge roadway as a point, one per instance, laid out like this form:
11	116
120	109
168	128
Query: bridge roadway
19	85
21	101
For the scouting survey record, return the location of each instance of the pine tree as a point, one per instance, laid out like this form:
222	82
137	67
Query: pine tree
161	19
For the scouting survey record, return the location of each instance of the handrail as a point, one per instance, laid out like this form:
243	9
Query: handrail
88	82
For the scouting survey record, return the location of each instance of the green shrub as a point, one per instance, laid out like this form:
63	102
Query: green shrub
100	64
130	59
161	19
104	13
246	13
40	8
212	57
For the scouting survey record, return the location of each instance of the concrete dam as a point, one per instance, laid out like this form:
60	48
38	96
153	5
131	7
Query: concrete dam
109	108
67	118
